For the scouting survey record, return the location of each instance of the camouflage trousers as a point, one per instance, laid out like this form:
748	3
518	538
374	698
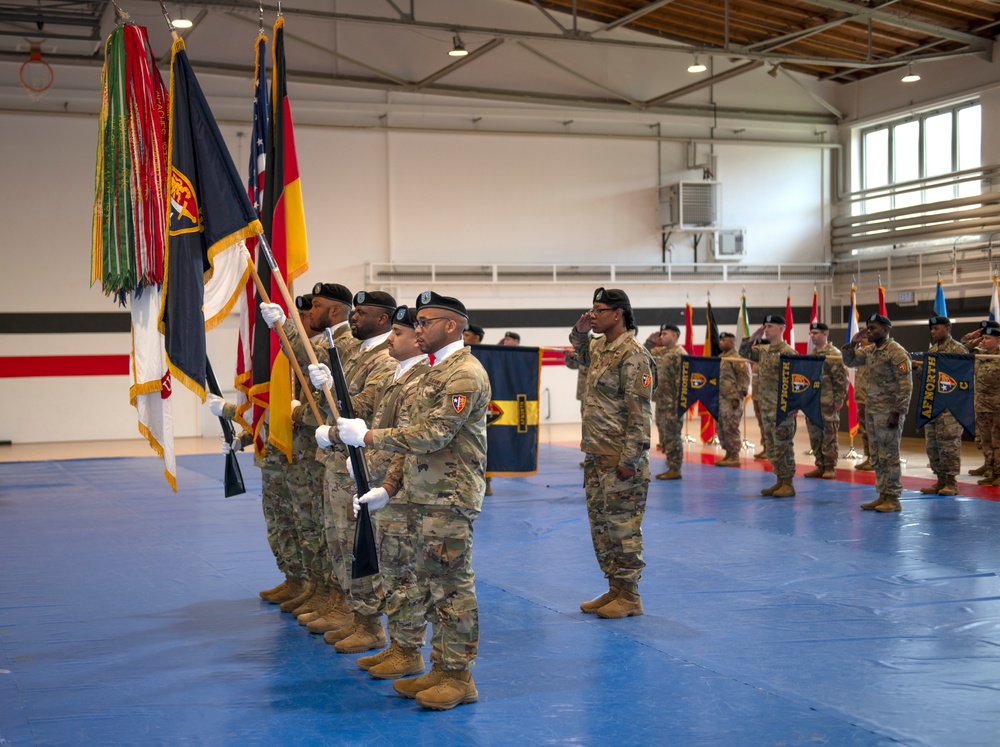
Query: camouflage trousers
730	413
304	481
615	509
280	520
988	430
779	442
397	561
863	430
364	595
883	445
446	582
824	441
668	427
944	445
759	415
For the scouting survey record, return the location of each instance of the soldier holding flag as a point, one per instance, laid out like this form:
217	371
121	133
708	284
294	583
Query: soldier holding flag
833	394
734	382
667	355
987	403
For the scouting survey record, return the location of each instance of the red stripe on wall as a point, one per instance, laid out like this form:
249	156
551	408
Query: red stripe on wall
63	365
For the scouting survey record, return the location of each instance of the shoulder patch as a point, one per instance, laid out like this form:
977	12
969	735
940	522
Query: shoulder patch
647	379
458	402
904	366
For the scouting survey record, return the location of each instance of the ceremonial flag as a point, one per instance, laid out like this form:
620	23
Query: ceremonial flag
940	306
688	330
813	317
209	213
699	383
743	321
247	307
948	383
789	334
995	300
852	403
799	387
711	349
285	226
512	418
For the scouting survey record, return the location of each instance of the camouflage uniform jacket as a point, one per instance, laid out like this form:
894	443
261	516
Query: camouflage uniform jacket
573	363
970	343
668	377
768	369
889	381
860	380
948	345
445	439
734	378
987	386
617	410
347	347
833	393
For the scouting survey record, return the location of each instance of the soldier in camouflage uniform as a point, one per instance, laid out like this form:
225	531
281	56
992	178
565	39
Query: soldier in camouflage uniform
973	343
616	432
861	399
444	448
889	387
734	382
833	393
757	412
987	402
778	439
667	356
944	433
573	363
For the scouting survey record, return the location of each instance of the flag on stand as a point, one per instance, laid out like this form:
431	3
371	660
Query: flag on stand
689	339
995	300
852	403
813	317
743	321
711	349
940	306
881	299
209	214
789	334
284	221
255	192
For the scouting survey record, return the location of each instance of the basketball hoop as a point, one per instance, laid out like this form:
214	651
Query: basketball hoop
36	74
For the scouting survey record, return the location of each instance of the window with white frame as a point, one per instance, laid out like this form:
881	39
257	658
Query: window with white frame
919	147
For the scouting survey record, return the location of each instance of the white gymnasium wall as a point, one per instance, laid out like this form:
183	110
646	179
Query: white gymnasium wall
376	196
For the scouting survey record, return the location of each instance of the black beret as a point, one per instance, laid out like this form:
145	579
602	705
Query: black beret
513	336
988	323
820	326
671	327
405	316
431	300
728	335
879	319
333	292
613	297
375	298
938	320
476	330
991	332
774	319
304	303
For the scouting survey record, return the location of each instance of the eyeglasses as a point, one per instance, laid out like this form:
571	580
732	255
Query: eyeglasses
421	323
595	311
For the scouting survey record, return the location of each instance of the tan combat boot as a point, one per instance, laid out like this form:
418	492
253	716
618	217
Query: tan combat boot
366	634
889	505
770	490
979	471
950	486
670	474
593	605
317	599
987	478
785	490
455	688
334	615
409	688
872	505
729	460
761	455
865	466
935	488
829	474
628	603
326	604
817	473
294	602
400	662
276	591
288	590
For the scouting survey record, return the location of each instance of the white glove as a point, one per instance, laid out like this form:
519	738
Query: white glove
352	431
350	471
319	374
375	499
229	448
323	436
215	404
295	405
273	314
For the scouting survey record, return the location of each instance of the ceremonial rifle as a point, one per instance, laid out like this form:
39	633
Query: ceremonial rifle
365	553
233	477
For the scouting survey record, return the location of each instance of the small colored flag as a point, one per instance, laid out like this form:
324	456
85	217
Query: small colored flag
743	322
789	334
711	349
800	384
995	300
948	383
699	384
688	330
940	306
512	418
813	317
209	213
852	403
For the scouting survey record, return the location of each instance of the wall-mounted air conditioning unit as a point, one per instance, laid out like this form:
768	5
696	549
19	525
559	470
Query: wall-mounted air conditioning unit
688	205
728	243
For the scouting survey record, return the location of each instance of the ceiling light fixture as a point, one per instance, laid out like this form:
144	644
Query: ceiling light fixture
696	67
910	77
181	22
458	49
773	72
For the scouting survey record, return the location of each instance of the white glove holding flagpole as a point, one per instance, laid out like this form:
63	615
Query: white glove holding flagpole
375	499
215	404
350	471
229	448
272	314
319	374
323	437
352	431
